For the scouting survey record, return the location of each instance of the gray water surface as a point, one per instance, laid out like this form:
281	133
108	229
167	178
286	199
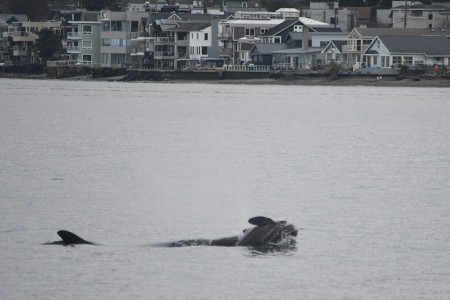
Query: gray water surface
364	172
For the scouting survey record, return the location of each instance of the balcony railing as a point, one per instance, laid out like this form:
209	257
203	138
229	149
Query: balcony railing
164	40
74	49
246	68
160	54
74	35
350	48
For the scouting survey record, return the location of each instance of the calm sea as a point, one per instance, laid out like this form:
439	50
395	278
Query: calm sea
364	172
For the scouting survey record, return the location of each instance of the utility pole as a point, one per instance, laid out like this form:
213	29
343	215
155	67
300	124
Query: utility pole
404	18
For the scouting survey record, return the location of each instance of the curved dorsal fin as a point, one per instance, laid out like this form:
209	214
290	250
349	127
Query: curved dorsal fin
71	238
261	221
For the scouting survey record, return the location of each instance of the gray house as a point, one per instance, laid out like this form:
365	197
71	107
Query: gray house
411	51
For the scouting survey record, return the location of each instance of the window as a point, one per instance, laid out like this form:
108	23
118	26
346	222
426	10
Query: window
244	4
249	31
407	60
367	42
87	29
105	58
375	60
264	30
297	28
106	26
204	50
430	17
197	35
334	20
134	26
87	45
384	61
87	58
277	39
206	36
106	42
116	26
396	60
416	13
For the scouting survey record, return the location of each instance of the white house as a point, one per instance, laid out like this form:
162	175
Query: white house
200	42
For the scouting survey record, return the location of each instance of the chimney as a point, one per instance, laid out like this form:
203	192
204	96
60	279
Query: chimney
305	37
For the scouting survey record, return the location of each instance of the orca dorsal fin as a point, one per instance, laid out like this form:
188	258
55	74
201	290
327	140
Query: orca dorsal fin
261	221
70	238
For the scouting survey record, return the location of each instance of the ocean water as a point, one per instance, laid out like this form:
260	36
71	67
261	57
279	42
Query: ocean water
364	173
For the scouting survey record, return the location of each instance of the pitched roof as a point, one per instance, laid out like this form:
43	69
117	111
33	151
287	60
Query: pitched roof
188	26
373	32
8	18
268	48
280	27
430	45
339	44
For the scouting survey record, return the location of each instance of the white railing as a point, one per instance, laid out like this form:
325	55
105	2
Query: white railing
61	63
165	40
74	35
74	49
246	68
349	48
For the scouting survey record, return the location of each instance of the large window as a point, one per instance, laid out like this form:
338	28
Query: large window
113	25
87	29
385	61
204	50
134	26
106	26
116	25
249	31
396	60
206	36
87	58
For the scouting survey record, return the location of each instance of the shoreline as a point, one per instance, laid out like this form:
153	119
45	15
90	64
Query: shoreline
353	81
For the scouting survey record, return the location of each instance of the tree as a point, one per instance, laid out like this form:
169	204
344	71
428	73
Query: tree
273	5
36	10
116	5
48	44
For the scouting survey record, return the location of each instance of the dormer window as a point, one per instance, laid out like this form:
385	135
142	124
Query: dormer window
244	5
297	28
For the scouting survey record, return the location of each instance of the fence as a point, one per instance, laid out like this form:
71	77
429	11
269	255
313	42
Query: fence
246	68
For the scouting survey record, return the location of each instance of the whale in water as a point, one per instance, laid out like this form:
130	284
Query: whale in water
266	232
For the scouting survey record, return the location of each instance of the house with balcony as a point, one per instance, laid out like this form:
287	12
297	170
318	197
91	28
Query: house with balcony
421	16
5	37
22	37
118	34
415	52
83	43
232	32
333	52
359	39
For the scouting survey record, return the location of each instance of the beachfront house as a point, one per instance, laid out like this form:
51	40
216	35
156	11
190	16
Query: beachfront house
411	51
333	52
360	38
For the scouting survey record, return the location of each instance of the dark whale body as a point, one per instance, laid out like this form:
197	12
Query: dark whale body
266	232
